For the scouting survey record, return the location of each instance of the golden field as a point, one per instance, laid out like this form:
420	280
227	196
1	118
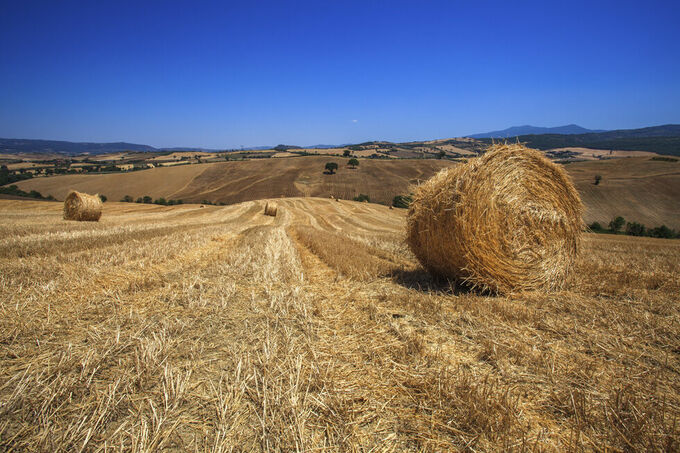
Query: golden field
637	188
221	329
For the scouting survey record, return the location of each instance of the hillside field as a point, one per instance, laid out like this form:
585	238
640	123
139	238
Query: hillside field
638	188
220	329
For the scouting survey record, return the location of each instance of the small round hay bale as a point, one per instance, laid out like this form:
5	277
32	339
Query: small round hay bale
508	221
270	209
82	207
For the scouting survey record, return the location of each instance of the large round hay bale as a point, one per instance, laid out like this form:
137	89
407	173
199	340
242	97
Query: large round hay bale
82	206
270	209
504	222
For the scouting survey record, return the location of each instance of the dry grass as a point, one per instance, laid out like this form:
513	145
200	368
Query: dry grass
507	221
232	331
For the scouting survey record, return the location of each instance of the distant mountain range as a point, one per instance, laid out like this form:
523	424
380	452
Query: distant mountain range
21	146
660	139
534	130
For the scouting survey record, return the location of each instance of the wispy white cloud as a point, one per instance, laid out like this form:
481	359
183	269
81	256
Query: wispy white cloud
355	121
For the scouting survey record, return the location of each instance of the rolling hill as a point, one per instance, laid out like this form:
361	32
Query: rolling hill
638	188
233	182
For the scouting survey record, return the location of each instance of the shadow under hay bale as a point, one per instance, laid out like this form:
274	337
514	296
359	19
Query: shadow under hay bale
270	209
82	207
508	221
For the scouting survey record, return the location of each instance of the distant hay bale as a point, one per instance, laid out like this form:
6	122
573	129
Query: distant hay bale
270	209
504	222
82	207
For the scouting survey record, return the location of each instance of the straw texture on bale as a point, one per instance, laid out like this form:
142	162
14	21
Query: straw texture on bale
508	221
82	207
270	209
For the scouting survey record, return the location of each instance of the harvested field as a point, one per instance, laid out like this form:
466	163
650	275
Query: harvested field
222	329
637	188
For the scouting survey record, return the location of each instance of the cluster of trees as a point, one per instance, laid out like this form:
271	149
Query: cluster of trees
8	177
618	225
14	190
148	200
331	167
214	203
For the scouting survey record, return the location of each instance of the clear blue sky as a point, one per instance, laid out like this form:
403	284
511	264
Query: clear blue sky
226	74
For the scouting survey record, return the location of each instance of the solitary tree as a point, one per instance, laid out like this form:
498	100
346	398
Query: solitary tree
598	178
441	155
127	199
353	162
331	167
346	153
616	224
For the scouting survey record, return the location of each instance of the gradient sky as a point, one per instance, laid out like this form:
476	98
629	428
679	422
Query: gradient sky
248	73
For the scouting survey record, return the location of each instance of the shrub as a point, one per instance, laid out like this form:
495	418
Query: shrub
362	197
14	190
147	199
596	227
402	201
127	199
598	178
346	153
103	198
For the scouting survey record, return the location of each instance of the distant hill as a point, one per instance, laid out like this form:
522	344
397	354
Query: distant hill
15	146
638	188
527	130
659	139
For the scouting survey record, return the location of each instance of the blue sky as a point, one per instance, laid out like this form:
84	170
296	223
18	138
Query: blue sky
230	74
